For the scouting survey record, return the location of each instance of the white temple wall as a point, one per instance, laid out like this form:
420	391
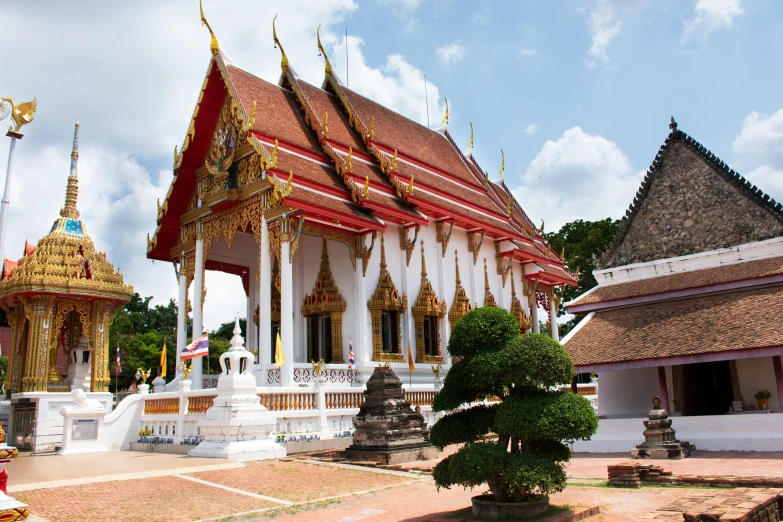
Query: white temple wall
755	375
627	393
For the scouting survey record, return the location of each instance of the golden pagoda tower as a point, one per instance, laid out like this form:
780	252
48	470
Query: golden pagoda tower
62	294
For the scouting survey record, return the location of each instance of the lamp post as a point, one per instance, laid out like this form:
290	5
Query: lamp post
22	114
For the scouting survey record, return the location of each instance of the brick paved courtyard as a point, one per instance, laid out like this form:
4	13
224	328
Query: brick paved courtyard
125	486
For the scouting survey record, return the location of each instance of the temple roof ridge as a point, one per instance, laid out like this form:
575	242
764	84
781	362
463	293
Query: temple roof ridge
719	166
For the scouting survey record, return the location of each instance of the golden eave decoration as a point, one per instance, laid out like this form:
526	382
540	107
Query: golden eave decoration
516	308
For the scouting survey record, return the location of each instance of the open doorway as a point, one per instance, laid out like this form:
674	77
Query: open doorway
707	388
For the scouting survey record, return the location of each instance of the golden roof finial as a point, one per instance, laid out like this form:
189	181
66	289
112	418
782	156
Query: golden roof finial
456	261
423	263
72	191
328	68
445	120
470	143
213	46
284	58
502	163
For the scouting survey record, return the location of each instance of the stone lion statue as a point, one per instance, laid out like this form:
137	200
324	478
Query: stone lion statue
81	401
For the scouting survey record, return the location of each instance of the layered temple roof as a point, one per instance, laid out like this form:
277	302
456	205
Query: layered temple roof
693	273
353	164
65	261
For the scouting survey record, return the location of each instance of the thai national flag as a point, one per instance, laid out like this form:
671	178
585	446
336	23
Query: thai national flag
198	348
119	366
351	358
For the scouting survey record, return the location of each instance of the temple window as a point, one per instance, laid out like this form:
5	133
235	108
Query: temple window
427	312
324	309
386	305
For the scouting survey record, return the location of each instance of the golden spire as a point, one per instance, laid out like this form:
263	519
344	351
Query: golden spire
383	254
213	46
72	191
502	163
445	120
328	67
469	151
456	261
513	291
423	263
489	299
284	58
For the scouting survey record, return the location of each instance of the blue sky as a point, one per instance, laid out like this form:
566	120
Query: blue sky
578	94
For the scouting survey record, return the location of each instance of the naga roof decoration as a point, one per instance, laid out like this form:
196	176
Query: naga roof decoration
341	159
727	173
65	260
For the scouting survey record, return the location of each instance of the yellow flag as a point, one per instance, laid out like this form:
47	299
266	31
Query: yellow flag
411	364
163	361
279	355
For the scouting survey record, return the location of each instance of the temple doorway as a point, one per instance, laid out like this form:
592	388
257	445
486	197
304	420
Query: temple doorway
707	388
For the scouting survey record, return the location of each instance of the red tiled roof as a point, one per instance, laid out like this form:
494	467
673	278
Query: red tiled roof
277	111
339	128
683	280
8	265
408	137
705	324
557	272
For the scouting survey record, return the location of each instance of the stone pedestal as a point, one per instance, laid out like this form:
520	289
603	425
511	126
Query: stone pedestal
237	426
158	384
659	440
387	429
81	424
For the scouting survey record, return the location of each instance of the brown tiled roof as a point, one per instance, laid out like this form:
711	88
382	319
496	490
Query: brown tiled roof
314	198
711	323
322	102
683	280
277	112
310	170
408	137
556	271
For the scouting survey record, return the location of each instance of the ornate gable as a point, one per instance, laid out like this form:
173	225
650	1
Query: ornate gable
690	201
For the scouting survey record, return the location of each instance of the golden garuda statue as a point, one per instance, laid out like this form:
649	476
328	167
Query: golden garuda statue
22	114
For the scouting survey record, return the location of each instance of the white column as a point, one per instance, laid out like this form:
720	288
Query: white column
265	305
553	318
407	316
445	326
198	312
6	202
286	313
182	332
362	346
534	316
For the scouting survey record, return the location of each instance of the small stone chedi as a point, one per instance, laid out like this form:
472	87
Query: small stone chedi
659	440
237	426
387	429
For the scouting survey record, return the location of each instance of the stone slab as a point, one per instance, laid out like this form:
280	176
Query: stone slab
396	456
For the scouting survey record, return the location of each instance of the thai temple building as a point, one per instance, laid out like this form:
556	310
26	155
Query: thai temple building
355	230
59	298
686	308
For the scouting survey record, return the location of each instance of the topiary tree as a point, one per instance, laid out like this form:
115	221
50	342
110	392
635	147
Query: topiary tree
533	421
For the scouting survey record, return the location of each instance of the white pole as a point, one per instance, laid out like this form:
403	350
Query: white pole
198	317
265	306
6	201
286	314
182	333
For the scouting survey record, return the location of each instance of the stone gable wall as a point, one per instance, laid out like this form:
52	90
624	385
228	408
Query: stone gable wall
690	208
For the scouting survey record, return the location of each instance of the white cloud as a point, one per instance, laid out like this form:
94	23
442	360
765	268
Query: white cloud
396	84
526	52
404	11
709	16
604	27
579	176
451	53
759	148
135	95
531	129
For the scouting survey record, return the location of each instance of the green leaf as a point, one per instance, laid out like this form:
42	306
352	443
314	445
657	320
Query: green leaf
542	415
463	426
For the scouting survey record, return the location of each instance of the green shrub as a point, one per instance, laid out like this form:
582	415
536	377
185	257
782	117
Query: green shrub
532	420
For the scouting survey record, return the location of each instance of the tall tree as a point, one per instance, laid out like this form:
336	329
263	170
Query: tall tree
582	241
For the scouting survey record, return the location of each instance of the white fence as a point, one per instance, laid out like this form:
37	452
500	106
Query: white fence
173	416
